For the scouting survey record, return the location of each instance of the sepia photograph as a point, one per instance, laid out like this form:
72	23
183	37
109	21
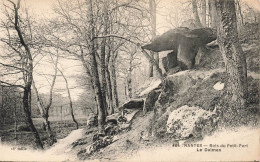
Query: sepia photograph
130	80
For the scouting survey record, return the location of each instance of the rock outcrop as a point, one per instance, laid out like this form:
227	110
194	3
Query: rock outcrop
133	104
149	85
190	87
150	100
186	122
170	61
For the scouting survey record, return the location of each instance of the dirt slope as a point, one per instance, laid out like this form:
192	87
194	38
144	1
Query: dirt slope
128	143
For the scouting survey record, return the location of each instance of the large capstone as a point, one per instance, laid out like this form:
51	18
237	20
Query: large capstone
185	42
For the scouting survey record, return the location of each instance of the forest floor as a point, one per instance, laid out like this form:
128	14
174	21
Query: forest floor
130	146
133	146
25	137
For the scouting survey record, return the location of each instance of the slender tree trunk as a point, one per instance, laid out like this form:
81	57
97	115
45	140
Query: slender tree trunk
103	55
129	77
212	14
150	69
203	13
94	69
15	120
30	101
114	80
109	84
51	135
109	92
87	68
235	61
103	73
109	28
114	54
152	61
126	92
44	110
109	61
45	117
195	13
69	96
240	20
129	84
154	55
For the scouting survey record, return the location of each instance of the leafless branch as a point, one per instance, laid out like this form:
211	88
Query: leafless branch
11	66
11	85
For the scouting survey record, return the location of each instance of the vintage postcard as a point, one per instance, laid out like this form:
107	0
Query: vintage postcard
129	80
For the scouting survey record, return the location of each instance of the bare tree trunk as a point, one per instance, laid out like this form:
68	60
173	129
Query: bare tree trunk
98	92
45	117
87	68
129	84
152	61
27	90
203	13
212	14
103	55
154	55
195	13
234	59
109	84
110	43
15	120
44	110
27	75
109	93
240	20
114	80
4	107
129	76
103	72
69	96
48	106
114	54
150	69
